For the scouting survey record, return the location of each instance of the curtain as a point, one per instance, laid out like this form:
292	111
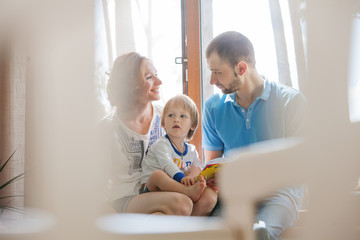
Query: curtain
280	43
124	33
297	9
113	38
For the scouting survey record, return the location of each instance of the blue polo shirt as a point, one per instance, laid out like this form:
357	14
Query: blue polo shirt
276	113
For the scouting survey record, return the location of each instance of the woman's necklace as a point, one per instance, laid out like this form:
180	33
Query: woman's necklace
177	148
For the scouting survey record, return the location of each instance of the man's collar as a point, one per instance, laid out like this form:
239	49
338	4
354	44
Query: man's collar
265	94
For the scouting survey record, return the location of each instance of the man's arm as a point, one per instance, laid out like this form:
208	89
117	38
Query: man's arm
209	155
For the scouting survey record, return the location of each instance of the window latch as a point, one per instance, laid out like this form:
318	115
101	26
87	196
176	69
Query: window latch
180	60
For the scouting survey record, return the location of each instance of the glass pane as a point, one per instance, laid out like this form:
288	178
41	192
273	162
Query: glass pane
354	79
251	18
254	22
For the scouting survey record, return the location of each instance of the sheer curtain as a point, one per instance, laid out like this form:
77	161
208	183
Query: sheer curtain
113	38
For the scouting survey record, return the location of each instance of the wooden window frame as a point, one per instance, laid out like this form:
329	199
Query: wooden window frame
192	61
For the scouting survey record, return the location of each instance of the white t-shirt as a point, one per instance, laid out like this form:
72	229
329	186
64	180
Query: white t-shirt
127	150
162	155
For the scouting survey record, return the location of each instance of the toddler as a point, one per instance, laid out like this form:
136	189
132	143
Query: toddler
172	164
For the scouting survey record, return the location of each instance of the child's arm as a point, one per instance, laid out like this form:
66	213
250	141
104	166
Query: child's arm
164	161
196	165
193	172
190	175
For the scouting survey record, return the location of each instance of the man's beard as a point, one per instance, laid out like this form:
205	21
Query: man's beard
233	86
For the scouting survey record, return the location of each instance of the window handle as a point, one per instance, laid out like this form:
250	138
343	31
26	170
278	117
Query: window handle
180	60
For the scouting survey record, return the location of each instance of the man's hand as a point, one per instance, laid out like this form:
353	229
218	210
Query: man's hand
212	183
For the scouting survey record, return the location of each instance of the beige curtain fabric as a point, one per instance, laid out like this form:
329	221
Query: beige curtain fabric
12	120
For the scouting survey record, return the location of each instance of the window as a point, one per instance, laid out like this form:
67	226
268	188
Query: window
155	29
149	30
157	34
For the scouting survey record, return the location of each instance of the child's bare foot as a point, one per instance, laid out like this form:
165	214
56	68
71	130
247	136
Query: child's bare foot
195	190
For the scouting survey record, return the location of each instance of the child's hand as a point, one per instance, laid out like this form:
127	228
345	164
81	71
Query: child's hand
188	181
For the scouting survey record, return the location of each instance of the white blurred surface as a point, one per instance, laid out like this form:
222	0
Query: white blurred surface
61	116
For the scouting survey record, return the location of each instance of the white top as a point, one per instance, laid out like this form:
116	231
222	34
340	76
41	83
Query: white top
127	150
162	155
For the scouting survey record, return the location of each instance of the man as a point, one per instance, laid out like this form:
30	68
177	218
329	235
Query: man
251	109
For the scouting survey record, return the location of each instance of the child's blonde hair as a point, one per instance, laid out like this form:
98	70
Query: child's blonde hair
188	104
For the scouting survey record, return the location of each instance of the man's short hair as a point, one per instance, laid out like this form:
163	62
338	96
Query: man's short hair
232	47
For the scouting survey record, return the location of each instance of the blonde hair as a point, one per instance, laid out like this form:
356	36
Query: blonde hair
189	105
124	80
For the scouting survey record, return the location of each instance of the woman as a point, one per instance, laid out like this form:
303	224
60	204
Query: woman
135	124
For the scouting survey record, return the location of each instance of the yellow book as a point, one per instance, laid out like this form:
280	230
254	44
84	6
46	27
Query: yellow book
211	168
